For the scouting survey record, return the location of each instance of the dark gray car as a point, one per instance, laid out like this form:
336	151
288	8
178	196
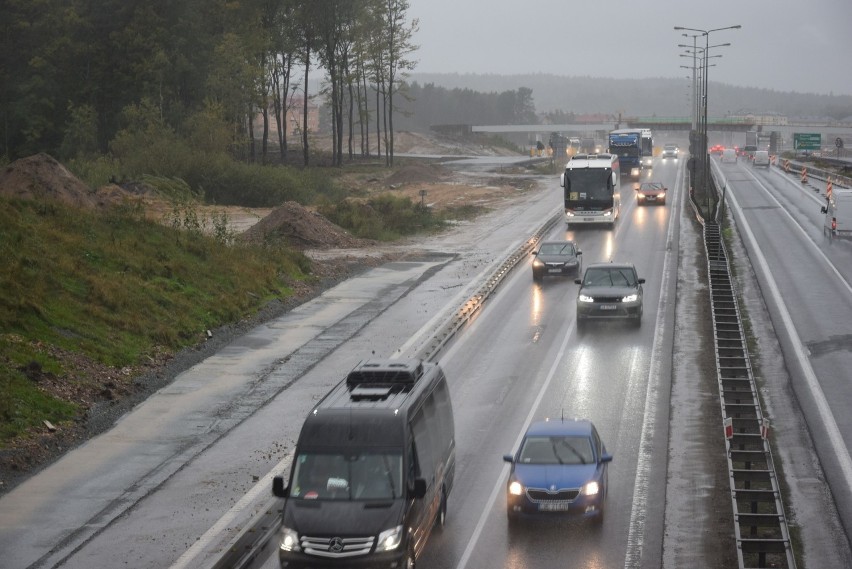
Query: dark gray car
609	291
556	258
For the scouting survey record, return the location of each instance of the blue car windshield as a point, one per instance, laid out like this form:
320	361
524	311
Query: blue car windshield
554	449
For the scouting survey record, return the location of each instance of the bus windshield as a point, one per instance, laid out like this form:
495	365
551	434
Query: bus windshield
589	187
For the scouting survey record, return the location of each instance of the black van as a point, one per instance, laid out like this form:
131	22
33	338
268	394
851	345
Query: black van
372	470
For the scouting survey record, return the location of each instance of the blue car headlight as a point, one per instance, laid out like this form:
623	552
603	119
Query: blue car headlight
289	540
516	488
390	539
590	489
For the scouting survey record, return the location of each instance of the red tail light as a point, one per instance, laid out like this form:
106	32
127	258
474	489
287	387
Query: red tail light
834	224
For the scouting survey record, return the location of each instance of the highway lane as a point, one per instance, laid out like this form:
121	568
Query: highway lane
806	280
185	470
521	360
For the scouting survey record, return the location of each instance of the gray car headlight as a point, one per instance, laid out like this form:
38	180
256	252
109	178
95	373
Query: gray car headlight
630	298
585	298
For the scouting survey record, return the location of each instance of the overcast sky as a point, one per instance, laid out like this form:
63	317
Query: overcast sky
785	45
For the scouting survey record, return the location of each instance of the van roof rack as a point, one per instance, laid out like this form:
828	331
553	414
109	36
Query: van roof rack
383	372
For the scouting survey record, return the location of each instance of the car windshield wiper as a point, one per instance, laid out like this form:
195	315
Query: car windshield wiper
389	475
572	449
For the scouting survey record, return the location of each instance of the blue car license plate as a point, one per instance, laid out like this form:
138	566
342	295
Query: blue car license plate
554	506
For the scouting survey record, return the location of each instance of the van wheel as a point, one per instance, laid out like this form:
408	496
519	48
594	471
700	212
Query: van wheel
441	520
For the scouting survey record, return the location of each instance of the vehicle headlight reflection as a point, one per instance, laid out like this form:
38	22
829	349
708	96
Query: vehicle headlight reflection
289	540
390	539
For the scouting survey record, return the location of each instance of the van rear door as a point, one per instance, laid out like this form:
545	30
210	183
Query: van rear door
843	214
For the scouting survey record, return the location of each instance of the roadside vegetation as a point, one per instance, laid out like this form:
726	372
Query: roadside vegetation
118	290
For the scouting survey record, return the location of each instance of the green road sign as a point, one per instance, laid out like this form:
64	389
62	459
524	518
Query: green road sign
807	140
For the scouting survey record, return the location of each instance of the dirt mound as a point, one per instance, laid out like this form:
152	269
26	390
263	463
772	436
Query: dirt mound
418	173
42	177
300	228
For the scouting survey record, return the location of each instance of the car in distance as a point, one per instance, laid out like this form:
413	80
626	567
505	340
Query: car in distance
609	291
651	192
716	149
559	471
761	158
558	258
670	150
729	155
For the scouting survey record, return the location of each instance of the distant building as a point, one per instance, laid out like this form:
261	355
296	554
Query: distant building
766	118
293	120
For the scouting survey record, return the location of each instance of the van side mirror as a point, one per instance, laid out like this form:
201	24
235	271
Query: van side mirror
823	209
418	491
279	488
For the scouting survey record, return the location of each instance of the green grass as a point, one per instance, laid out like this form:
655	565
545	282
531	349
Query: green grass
115	288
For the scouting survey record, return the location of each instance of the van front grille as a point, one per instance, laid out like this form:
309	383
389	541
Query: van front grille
337	547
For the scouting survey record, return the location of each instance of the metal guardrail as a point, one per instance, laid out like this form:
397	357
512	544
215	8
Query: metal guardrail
244	550
796	170
760	525
458	318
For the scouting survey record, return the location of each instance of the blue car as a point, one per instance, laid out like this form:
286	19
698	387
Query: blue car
560	470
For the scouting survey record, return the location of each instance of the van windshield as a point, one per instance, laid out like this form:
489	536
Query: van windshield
349	475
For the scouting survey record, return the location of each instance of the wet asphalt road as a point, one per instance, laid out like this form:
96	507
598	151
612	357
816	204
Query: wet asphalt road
187	470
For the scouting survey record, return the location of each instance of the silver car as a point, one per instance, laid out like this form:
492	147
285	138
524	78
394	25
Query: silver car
609	291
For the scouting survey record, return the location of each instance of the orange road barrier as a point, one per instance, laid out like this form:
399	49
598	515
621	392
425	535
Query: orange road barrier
772	159
804	175
828	188
787	166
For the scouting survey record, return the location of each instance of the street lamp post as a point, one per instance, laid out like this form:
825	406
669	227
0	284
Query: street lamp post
703	129
694	85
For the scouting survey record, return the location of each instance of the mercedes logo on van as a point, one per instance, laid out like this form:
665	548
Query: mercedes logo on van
335	545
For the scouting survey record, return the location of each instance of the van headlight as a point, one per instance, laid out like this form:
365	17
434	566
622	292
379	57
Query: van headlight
590	488
630	298
390	539
289	540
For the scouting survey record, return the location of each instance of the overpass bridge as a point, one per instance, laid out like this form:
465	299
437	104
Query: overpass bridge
654	123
